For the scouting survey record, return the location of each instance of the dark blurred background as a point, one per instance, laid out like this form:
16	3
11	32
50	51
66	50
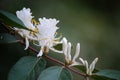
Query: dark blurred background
93	23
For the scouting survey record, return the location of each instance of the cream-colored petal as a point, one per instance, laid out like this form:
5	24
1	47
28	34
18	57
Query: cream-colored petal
40	53
92	65
83	62
77	52
69	51
75	63
53	49
47	29
27	43
87	68
65	46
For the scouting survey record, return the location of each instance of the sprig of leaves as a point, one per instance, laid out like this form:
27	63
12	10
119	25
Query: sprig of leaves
32	68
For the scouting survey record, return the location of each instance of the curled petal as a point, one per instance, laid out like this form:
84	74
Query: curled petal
40	53
75	63
65	46
77	52
69	51
53	49
87	68
92	65
27	43
83	62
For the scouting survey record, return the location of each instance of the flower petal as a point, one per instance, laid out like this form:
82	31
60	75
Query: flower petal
25	16
83	62
53	49
47	27
87	68
27	43
77	52
65	46
69	51
92	65
40	53
75	63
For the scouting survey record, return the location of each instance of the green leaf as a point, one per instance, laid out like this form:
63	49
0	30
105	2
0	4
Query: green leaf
27	68
11	20
7	38
55	73
109	73
81	68
95	77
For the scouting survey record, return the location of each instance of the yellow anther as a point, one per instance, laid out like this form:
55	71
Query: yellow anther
35	22
58	39
43	39
36	30
32	33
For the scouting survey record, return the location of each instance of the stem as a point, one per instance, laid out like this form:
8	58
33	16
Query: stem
54	60
73	70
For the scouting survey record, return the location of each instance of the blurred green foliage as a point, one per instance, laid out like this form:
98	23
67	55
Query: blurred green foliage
93	23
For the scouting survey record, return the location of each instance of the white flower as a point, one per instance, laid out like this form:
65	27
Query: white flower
26	17
46	37
67	52
89	69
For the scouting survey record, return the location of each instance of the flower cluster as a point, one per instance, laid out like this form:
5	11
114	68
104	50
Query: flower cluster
44	32
72	61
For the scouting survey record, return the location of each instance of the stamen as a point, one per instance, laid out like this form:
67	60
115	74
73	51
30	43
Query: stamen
34	22
36	30
43	39
58	39
35	43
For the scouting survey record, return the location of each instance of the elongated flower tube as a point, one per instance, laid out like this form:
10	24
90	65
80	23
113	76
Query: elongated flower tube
46	37
89	69
26	17
67	52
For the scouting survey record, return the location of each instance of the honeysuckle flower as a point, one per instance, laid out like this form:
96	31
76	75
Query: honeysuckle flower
26	17
67	52
47	35
89	69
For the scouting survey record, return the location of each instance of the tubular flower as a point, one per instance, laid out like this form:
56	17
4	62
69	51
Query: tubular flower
46	37
26	17
89	69
67	52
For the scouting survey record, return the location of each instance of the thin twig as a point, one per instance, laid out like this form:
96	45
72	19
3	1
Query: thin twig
52	59
73	70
